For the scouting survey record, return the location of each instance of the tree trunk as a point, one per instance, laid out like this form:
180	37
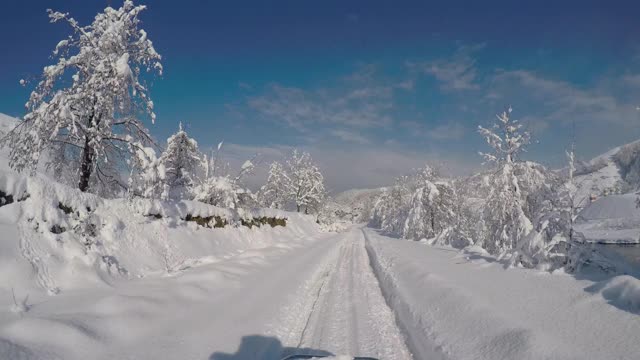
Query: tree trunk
86	167
298	206
88	155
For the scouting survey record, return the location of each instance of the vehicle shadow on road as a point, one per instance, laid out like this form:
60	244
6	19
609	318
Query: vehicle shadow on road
265	347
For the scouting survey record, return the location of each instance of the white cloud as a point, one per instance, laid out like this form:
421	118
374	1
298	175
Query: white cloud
364	107
350	136
455	73
449	131
556	101
452	130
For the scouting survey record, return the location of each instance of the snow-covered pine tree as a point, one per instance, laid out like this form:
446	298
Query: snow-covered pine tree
148	175
91	97
183	164
307	182
274	194
503	212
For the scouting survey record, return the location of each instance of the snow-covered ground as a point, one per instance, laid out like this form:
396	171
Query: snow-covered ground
463	305
355	293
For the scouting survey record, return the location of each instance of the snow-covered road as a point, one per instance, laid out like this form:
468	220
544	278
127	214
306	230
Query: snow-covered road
355	293
350	315
312	296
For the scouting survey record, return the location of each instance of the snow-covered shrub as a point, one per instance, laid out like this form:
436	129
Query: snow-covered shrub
216	186
218	191
90	98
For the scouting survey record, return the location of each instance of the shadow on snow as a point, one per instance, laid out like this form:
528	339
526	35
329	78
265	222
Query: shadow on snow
265	347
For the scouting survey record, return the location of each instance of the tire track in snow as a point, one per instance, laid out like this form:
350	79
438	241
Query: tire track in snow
296	314
350	315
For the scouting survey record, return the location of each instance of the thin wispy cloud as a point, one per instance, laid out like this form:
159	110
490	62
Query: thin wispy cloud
455	73
350	136
445	131
345	111
557	101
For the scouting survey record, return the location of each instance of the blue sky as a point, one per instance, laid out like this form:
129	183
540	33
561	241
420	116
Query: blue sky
371	88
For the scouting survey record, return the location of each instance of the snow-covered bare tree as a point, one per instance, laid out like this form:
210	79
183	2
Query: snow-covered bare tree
431	210
183	164
391	208
307	182
275	193
503	212
91	97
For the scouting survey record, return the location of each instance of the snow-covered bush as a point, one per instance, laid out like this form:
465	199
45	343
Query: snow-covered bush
217	191
219	188
90	99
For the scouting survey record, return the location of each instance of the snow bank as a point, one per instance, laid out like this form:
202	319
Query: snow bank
55	237
467	306
621	291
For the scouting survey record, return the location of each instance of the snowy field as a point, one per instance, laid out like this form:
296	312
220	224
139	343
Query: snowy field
347	293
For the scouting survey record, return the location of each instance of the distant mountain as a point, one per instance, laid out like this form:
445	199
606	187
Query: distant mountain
617	171
606	194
